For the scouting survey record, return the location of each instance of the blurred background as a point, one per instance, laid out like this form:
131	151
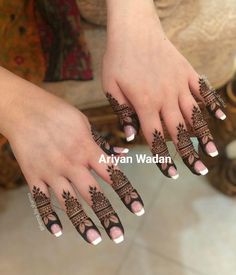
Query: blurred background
189	225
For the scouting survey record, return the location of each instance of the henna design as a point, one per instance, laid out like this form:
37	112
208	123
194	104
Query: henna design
104	210
123	187
200	128
212	99
46	212
126	114
102	143
77	215
186	149
159	148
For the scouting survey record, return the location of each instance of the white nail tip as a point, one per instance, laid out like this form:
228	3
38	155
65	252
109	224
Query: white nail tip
130	138
125	151
97	241
214	154
204	172
223	117
140	213
58	234
119	239
175	177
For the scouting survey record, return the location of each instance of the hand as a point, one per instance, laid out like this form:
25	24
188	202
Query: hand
146	79
55	147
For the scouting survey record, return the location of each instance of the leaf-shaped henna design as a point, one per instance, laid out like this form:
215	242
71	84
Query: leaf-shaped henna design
104	211
212	99
159	148
123	187
126	114
44	206
102	143
200	128
77	215
186	149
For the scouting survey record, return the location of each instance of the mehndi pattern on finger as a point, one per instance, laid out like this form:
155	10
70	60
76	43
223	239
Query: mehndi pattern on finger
123	187
159	148
211	97
104	211
201	129
77	215
45	209
102	143
125	113
186	149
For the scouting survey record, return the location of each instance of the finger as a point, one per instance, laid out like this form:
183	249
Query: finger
93	195
69	202
105	146
193	115
122	108
49	217
105	168
177	129
154	135
202	89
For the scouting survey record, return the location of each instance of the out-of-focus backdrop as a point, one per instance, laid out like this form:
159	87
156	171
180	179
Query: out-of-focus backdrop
189	225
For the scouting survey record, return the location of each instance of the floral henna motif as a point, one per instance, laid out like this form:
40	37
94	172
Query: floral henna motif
102	143
159	148
186	149
77	215
212	99
46	212
123	187
104	210
126	114
200	128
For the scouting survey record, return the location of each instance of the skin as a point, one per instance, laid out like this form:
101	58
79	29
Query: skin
142	69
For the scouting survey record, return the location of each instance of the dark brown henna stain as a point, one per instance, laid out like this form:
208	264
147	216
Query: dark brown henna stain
104	211
78	217
201	129
159	148
102	143
212	99
186	149
123	187
46	212
126	114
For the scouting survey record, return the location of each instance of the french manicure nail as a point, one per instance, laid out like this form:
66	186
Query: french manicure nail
56	230
130	133
120	150
93	236
211	149
173	173
201	168
116	234
137	208
220	114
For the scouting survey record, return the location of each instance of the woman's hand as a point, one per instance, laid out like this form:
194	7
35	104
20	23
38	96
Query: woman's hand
146	79
55	147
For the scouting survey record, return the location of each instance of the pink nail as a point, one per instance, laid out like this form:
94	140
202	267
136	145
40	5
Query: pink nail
130	133
137	208
116	234
173	173
201	168
56	230
211	149
93	236
219	114
120	150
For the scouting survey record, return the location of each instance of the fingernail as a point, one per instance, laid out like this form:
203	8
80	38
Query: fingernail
201	168
130	133
120	150
220	114
137	208
211	149
173	173
94	237
116	234
56	230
